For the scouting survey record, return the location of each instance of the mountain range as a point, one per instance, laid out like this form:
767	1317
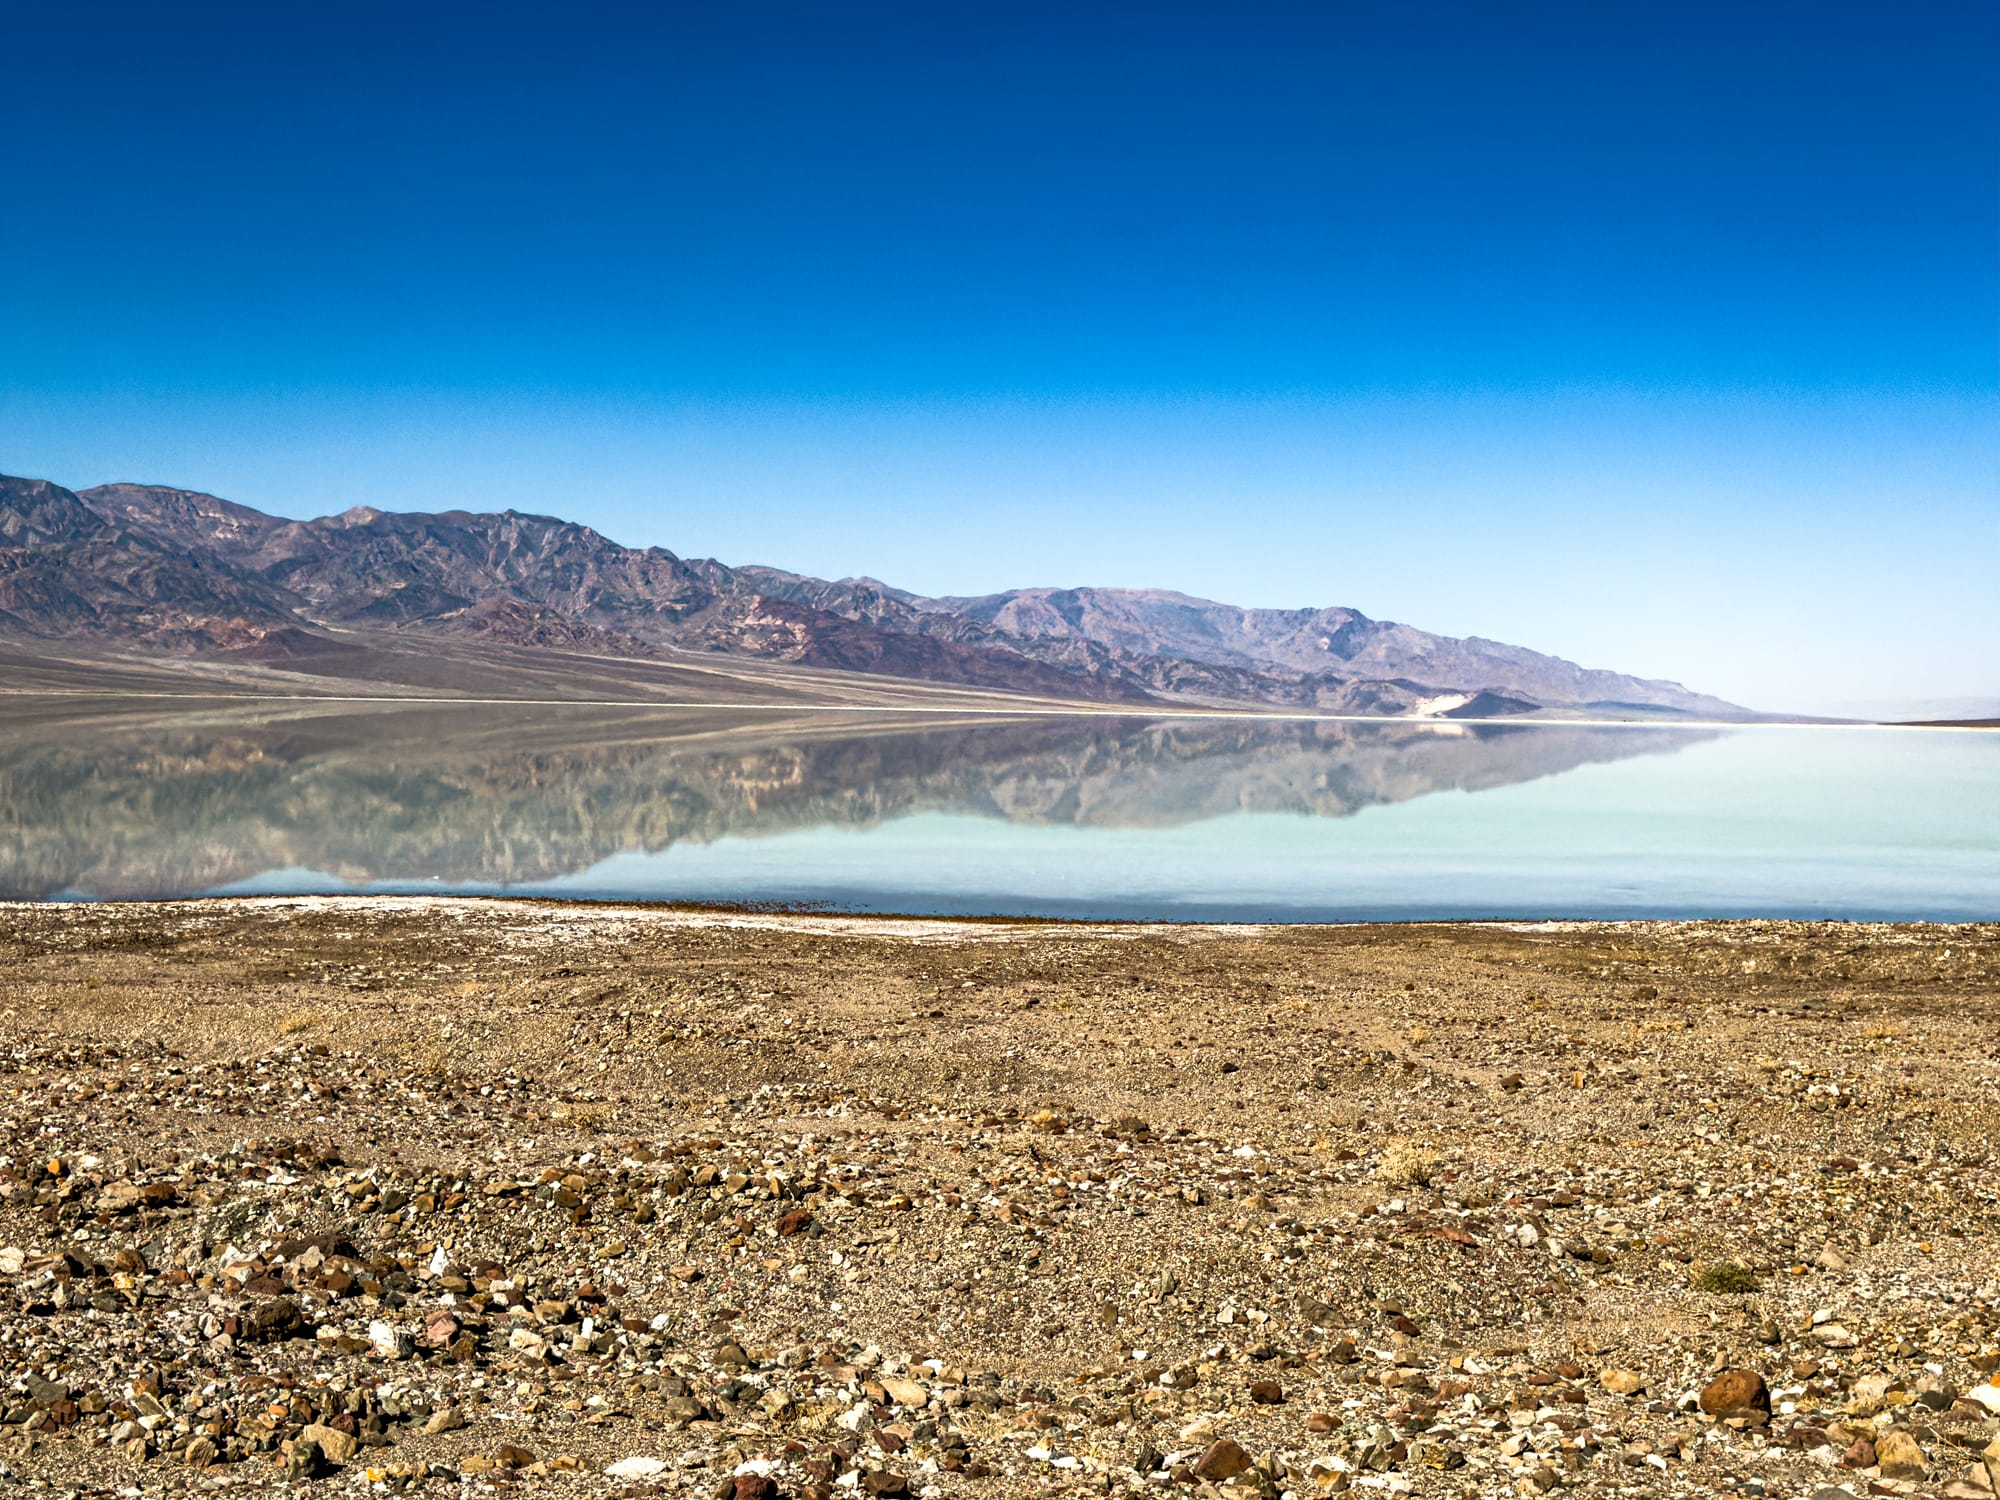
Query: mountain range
155	570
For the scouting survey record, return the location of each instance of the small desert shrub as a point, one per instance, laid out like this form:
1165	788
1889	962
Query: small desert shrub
296	1021
1725	1278
1419	1034
1407	1164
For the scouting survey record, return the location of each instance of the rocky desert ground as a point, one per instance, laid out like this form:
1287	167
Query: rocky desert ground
453	1197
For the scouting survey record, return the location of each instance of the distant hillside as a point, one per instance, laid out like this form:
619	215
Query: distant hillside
149	567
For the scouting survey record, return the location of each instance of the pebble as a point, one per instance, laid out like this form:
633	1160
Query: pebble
639	1466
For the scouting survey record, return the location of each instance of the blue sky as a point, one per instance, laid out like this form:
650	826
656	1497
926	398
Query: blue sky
1662	337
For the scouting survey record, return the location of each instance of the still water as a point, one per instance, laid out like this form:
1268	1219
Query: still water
1240	819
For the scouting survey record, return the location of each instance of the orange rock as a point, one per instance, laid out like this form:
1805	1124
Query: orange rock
1734	1390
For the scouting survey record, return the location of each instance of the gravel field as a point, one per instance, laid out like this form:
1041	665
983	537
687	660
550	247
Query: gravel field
452	1196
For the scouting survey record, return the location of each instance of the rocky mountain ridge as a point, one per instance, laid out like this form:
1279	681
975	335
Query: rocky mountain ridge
177	570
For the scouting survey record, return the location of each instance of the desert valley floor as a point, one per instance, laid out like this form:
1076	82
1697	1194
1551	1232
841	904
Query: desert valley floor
450	1196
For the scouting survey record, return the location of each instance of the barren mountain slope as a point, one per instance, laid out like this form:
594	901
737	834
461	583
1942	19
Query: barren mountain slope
159	567
1310	641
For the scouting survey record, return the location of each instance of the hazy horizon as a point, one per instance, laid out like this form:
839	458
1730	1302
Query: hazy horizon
1662	343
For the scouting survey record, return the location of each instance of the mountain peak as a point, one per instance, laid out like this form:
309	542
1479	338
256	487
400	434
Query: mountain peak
118	560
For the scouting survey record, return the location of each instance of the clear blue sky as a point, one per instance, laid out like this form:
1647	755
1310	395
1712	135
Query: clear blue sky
1662	336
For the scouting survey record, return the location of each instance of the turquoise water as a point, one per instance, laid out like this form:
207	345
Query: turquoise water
1079	816
1766	822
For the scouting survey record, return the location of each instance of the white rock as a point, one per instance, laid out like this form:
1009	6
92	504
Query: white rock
12	1259
1987	1395
638	1466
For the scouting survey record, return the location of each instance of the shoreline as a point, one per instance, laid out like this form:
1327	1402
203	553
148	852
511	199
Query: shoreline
1054	710
707	913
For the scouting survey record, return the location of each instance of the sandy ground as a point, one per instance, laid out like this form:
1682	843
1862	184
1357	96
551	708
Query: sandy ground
446	1195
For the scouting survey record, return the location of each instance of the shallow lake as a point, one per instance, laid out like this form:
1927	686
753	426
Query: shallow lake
1184	818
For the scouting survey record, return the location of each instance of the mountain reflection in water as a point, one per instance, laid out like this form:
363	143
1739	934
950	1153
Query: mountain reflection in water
113	804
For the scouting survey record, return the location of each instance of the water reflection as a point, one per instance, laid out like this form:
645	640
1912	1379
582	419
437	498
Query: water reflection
106	802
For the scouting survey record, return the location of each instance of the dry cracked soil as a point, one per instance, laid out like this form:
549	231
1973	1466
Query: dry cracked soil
453	1196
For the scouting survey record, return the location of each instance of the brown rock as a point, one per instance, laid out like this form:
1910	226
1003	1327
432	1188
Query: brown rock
1733	1390
1898	1454
336	1446
757	1487
1266	1392
1319	1421
507	1456
1225	1459
1859	1455
276	1320
440	1328
302	1459
793	1221
885	1484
